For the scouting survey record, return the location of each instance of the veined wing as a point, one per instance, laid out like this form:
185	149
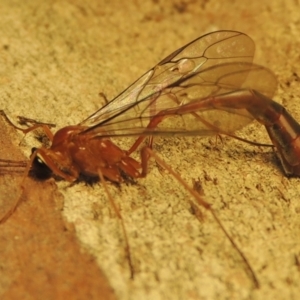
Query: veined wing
214	64
143	96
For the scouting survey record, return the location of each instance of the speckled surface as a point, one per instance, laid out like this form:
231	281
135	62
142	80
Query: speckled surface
57	56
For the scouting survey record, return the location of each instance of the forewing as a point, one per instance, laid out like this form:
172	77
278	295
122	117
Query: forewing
142	99
214	64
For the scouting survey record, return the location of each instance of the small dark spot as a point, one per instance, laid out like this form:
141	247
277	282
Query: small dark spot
181	7
296	76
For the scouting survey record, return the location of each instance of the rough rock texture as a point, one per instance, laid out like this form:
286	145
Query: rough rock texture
56	57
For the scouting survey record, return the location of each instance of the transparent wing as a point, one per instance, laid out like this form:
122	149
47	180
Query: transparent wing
216	63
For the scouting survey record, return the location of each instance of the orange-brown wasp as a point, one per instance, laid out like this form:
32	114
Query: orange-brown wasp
209	86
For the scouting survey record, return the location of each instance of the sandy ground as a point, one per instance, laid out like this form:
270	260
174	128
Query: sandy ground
55	59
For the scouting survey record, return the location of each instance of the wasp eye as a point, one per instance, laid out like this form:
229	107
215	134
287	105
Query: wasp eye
39	170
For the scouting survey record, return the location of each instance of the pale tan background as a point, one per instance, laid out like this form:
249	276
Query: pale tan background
55	58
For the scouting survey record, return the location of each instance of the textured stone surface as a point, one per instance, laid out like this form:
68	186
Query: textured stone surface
56	57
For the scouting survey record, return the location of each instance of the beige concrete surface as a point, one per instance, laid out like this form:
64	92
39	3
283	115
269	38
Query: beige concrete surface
55	58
